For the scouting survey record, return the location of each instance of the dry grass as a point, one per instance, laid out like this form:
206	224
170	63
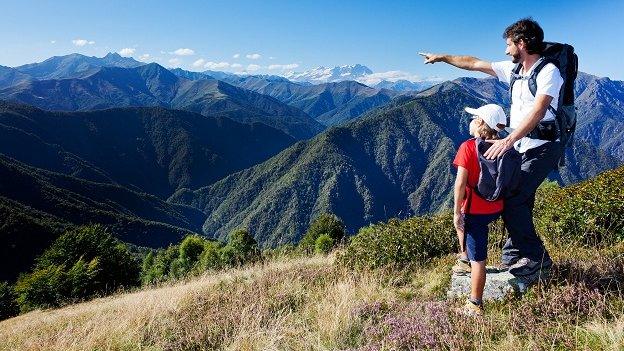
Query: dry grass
311	304
302	304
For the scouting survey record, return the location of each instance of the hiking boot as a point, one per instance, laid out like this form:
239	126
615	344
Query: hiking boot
461	267
501	267
470	310
526	266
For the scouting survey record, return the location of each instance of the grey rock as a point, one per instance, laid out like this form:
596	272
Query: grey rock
498	285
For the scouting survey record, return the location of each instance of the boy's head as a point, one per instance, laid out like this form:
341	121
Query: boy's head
487	121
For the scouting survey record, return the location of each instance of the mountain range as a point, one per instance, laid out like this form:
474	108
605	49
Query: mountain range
227	151
154	85
36	206
149	149
393	161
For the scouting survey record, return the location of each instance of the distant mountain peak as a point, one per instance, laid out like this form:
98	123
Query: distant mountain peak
322	74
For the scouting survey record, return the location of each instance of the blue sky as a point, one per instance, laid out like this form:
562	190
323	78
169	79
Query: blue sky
299	35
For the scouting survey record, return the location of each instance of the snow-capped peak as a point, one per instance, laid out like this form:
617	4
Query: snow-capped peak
327	75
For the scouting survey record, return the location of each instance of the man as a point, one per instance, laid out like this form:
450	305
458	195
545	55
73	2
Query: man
524	253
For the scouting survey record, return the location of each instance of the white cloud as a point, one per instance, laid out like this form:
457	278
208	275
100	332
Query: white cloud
126	52
216	65
283	67
183	52
199	63
253	67
144	57
271	58
236	65
52	41
253	56
82	42
175	62
236	56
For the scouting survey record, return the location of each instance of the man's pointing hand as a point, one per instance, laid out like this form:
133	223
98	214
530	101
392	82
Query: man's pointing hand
431	58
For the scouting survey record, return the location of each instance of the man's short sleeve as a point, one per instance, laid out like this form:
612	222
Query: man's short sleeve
503	70
462	157
549	81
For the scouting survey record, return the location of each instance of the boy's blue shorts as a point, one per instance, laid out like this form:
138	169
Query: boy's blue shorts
476	235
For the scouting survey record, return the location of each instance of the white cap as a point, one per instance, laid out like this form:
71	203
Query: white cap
491	114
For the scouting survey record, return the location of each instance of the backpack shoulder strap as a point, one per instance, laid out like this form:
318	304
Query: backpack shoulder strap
515	74
533	78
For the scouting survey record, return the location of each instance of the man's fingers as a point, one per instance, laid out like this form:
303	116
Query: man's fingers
493	151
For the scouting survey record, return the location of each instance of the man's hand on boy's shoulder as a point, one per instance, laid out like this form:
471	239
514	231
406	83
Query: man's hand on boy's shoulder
498	147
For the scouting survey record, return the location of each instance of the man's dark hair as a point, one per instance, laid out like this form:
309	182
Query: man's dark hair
529	31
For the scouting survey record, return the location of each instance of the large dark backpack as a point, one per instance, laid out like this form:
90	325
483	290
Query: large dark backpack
499	178
562	56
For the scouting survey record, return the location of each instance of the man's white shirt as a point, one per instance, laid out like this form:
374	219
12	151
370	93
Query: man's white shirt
549	82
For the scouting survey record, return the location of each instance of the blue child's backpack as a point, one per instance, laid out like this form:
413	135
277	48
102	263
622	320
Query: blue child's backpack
498	178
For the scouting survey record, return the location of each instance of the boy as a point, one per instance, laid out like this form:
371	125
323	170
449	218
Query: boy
472	214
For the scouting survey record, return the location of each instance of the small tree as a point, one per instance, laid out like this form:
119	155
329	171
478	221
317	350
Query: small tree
327	224
8	301
79	264
190	249
210	258
241	248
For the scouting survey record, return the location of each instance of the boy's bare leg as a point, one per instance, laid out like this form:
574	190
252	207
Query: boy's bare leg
462	248
477	280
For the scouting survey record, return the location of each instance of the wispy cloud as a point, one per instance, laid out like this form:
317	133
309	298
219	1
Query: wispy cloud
236	56
283	67
183	52
199	63
236	65
253	68
82	42
216	65
52	41
174	62
126	52
253	56
144	57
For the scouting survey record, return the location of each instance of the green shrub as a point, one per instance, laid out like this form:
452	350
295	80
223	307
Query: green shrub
325	224
190	249
210	258
8	301
157	267
241	248
400	243
81	263
323	244
591	212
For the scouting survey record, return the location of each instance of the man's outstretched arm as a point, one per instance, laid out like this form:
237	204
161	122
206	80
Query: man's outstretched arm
469	63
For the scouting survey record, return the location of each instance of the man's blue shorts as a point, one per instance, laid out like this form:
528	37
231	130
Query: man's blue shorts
476	235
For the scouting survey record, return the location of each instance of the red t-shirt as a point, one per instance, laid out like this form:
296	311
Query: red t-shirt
467	157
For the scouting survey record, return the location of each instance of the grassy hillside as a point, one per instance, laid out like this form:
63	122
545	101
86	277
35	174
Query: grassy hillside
37	205
324	303
155	150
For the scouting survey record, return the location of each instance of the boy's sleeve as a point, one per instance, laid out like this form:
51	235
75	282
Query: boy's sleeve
461	159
